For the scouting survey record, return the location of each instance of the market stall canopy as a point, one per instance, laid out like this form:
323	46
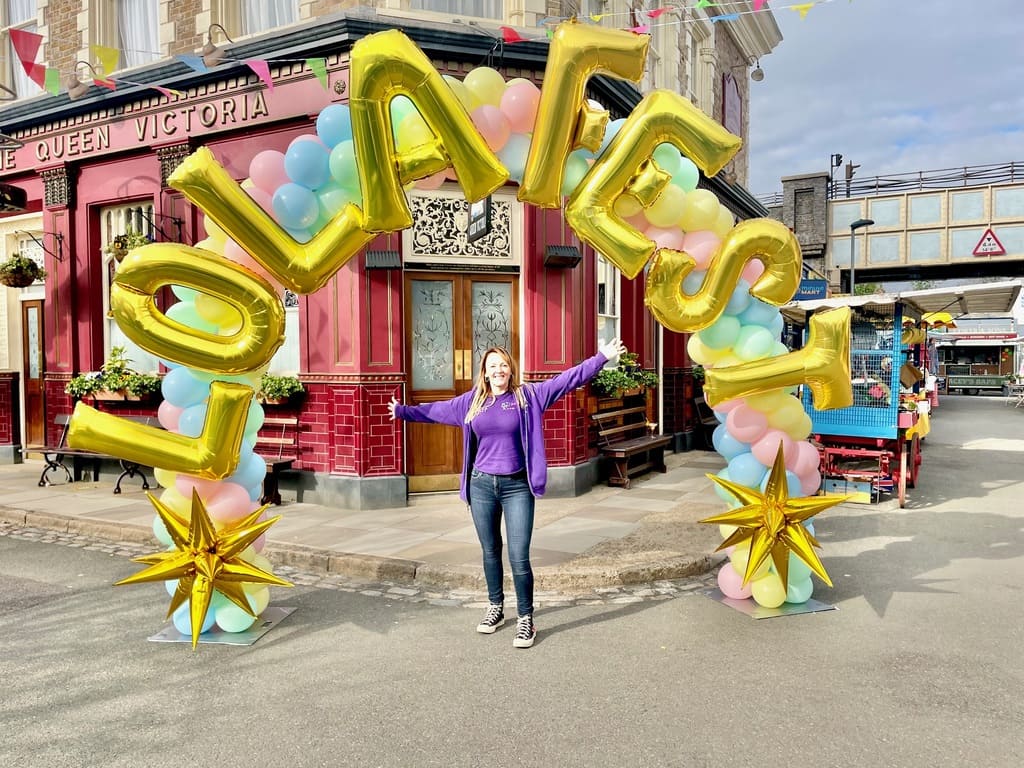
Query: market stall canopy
959	300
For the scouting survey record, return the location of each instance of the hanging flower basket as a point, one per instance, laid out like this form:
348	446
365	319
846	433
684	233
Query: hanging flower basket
121	245
20	271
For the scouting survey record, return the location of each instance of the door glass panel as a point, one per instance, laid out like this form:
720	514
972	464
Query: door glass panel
433	343
33	352
492	319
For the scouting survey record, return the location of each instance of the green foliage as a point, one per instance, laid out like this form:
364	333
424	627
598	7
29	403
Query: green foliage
698	374
866	289
20	271
122	244
116	375
279	387
627	375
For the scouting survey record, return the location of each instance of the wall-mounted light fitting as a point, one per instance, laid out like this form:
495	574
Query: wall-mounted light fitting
59	255
77	88
756	74
148	216
211	53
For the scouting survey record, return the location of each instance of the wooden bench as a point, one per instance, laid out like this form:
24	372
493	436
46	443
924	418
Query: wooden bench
624	440
278	445
55	456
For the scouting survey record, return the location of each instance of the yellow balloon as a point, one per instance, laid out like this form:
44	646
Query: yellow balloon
699	211
664	212
764	239
260	596
768	591
741	556
164	478
218	312
462	93
823	364
768	401
486	84
388	64
172	498
564	119
802	427
662	117
786	415
213	455
145	270
725	222
299	267
701	353
627	206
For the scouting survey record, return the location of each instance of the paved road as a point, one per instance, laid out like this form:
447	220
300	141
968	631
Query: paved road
920	666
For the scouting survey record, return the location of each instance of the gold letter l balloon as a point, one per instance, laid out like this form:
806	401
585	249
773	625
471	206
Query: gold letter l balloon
823	364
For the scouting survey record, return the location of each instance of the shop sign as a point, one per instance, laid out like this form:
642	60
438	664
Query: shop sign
812	289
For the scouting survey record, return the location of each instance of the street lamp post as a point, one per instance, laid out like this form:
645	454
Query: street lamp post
854	226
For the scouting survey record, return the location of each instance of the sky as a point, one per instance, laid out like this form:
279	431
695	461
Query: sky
896	86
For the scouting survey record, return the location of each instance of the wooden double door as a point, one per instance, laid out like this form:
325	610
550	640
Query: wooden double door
451	320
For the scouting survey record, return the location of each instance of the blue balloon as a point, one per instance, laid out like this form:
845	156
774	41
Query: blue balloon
295	207
726	444
183	620
776	326
721	334
305	162
253	421
513	155
191	421
181	389
740	298
334	124
746	470
299	235
250	471
693	281
613	128
759	313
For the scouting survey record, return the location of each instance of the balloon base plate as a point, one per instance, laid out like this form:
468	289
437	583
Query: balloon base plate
755	611
269	619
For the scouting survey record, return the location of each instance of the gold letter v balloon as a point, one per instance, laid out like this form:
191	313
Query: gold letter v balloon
386	66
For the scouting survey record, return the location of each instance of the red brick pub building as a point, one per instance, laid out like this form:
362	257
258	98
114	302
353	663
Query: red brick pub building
407	317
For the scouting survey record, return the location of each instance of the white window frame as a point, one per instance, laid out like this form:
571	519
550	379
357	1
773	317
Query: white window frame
609	276
232	15
14	76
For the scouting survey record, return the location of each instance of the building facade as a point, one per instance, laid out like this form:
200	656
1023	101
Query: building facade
93	162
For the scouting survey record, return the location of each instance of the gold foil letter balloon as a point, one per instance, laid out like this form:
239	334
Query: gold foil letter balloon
564	120
388	64
625	167
299	267
764	239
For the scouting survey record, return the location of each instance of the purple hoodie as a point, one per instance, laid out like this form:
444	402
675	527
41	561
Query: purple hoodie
540	396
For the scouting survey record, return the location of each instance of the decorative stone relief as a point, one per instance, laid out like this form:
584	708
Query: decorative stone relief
439	230
170	158
56	187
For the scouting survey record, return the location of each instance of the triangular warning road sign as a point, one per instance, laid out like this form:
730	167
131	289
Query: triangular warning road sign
989	245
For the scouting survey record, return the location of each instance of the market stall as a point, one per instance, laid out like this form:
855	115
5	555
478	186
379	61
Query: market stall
874	446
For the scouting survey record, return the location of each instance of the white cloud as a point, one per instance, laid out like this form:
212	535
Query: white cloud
895	86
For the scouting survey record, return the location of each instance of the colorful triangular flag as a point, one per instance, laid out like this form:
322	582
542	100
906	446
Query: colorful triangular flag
511	36
108	57
643	29
262	70
26	46
319	68
193	60
51	81
802	9
657	12
726	17
759	4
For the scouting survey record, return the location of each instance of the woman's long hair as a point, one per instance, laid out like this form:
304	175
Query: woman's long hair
483	389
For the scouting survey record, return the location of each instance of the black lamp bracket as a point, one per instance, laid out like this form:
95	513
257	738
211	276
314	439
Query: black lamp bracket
59	255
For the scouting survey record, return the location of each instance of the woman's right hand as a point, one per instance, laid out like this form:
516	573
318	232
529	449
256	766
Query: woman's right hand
391	407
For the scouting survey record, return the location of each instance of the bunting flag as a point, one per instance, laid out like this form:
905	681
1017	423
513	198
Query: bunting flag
511	36
36	73
107	56
168	92
51	81
657	12
110	85
262	70
727	17
26	46
703	4
193	60
643	29
319	68
596	18
802	9
759	4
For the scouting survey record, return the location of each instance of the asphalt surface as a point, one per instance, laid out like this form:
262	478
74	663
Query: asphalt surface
919	666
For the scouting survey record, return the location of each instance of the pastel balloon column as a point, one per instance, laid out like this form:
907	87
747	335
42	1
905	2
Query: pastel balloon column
752	428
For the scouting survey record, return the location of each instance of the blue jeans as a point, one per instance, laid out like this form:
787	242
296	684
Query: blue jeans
489	496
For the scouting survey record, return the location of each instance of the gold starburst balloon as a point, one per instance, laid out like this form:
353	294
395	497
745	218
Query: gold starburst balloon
772	521
205	559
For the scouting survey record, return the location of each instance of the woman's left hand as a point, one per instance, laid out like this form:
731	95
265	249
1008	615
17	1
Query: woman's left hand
612	349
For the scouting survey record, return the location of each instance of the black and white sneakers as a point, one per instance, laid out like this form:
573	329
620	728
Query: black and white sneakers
493	619
525	632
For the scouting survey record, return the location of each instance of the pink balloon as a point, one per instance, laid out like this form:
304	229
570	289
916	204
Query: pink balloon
519	104
308	137
752	270
806	459
185	483
260	543
729	405
731	583
239	255
638	222
168	415
229	502
701	245
431	182
267	170
666	238
262	198
493	126
810	483
764	450
746	424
